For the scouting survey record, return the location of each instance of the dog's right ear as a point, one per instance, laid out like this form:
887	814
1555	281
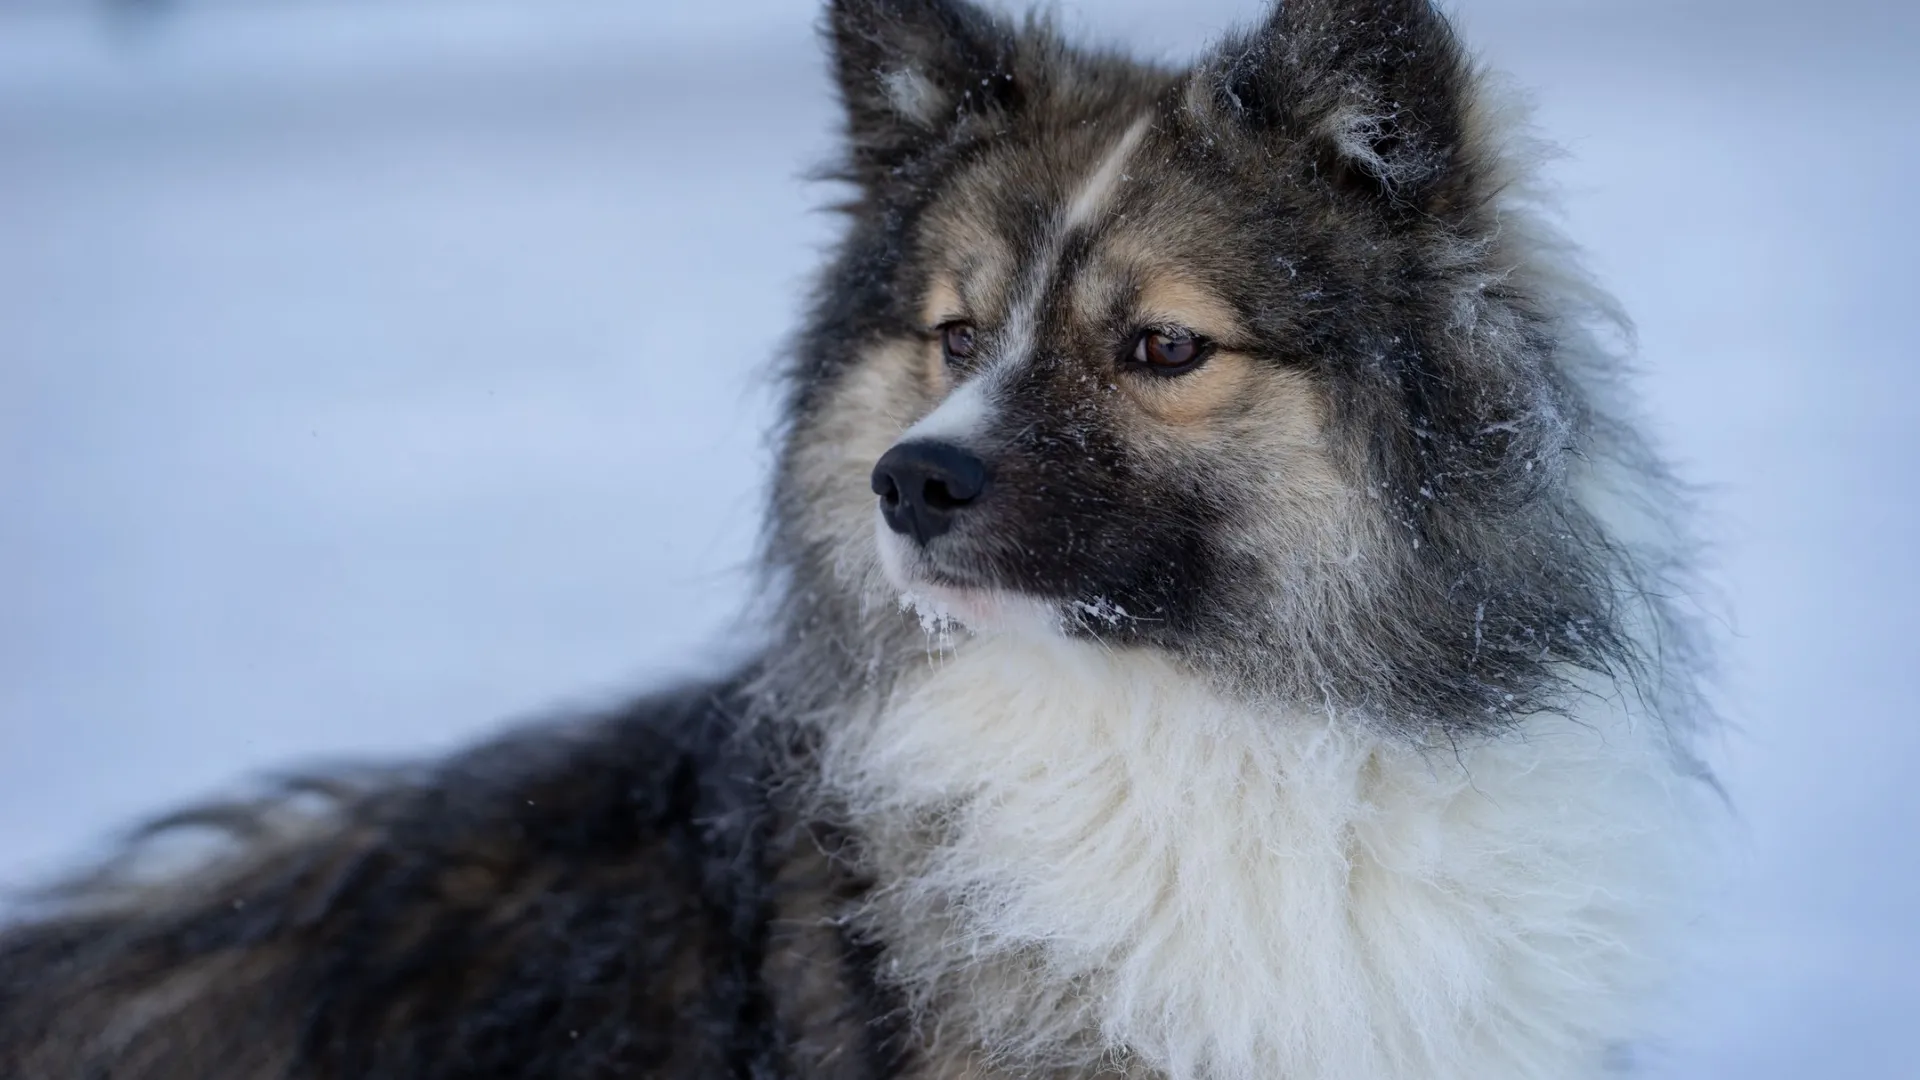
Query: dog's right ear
911	71
1380	88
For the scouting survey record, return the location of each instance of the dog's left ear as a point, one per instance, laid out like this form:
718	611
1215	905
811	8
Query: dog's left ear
1379	89
910	70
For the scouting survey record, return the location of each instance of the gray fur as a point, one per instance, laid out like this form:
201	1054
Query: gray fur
1381	500
1337	176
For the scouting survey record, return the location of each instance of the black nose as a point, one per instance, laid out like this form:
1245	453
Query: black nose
923	486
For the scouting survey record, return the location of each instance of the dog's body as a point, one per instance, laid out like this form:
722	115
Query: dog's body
1221	632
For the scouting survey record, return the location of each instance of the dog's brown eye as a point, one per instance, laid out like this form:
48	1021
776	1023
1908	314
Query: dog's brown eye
956	340
1169	352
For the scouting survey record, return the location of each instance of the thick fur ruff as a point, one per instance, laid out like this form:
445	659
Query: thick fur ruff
1094	860
1221	626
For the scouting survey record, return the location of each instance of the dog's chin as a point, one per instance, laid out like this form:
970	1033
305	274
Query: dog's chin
943	604
980	611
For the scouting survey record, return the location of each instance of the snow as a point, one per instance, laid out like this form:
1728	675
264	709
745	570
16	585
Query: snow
378	372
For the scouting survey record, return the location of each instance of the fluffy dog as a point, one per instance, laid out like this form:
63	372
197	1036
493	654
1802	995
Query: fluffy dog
1219	628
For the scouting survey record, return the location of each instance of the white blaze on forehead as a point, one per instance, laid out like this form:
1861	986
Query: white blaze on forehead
1099	186
963	416
1087	203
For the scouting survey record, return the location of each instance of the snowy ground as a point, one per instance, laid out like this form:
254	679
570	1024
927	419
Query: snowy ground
372	373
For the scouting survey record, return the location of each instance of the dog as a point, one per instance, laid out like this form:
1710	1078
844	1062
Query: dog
1221	624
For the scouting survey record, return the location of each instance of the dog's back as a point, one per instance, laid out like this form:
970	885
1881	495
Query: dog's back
615	898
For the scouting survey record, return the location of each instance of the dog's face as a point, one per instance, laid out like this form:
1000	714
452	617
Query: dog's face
1101	437
1225	361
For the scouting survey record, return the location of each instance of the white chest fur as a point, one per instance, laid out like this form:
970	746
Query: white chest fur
1088	853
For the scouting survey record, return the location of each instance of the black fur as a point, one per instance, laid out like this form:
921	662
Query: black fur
1320	175
597	900
647	894
961	53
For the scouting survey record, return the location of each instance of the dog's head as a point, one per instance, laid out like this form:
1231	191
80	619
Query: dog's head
1246	362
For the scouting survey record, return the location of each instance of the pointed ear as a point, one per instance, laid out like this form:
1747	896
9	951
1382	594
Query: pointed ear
1379	89
910	70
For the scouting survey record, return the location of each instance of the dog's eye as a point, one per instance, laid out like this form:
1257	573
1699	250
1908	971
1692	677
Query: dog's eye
1169	352
956	341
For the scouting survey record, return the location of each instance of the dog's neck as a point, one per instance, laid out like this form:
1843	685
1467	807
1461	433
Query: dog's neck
1088	859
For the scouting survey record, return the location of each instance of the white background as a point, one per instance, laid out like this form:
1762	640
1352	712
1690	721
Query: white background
373	373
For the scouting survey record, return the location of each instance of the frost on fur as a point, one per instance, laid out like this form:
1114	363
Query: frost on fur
1357	738
913	96
1223	892
1315	707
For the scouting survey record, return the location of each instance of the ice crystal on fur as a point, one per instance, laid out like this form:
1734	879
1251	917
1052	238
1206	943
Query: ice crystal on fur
1380	592
937	620
1101	610
1228	891
1307	701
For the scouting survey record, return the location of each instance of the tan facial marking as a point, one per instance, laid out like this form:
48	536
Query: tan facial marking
943	301
879	396
1174	301
976	266
1216	389
1227	384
